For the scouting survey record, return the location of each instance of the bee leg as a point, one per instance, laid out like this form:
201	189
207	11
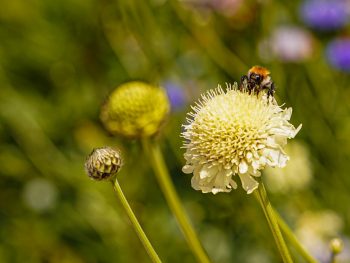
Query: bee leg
257	89
250	87
243	79
271	90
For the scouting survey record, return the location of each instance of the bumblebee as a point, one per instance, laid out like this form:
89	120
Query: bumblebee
258	79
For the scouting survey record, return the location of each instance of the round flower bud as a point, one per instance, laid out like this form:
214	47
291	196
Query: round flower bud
336	245
135	109
103	163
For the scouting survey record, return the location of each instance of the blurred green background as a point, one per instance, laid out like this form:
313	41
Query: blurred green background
60	59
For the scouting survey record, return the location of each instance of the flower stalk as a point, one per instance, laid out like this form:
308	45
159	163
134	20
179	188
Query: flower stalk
135	223
168	189
261	195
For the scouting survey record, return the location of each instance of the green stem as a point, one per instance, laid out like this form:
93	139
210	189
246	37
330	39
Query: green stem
261	196
135	223
293	240
173	200
333	258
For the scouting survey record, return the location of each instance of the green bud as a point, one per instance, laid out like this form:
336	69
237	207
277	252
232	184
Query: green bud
103	163
135	109
336	245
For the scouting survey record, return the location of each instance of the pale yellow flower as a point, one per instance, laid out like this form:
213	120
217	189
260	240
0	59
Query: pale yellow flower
235	133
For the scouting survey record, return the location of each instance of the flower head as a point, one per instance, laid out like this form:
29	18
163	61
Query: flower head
338	54
336	245
291	44
103	163
234	133
176	95
135	109
40	194
324	14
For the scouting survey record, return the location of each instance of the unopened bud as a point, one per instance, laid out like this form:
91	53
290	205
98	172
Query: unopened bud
336	245
103	163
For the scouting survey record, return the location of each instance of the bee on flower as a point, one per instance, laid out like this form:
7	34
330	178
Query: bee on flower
234	133
258	79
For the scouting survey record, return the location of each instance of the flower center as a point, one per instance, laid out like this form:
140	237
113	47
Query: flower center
230	127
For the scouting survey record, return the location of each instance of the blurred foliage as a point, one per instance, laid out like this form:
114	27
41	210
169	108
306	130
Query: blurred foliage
58	62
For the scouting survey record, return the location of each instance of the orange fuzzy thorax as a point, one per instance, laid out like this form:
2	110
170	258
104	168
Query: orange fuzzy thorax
259	70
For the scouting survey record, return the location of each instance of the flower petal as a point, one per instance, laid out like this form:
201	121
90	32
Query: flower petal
243	167
208	171
233	184
248	183
187	169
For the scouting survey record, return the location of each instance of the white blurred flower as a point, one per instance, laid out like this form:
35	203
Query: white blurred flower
234	133
287	43
257	256
40	194
216	243
316	229
296	175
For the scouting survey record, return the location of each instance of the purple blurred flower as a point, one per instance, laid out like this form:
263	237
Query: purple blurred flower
338	53
176	95
325	14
